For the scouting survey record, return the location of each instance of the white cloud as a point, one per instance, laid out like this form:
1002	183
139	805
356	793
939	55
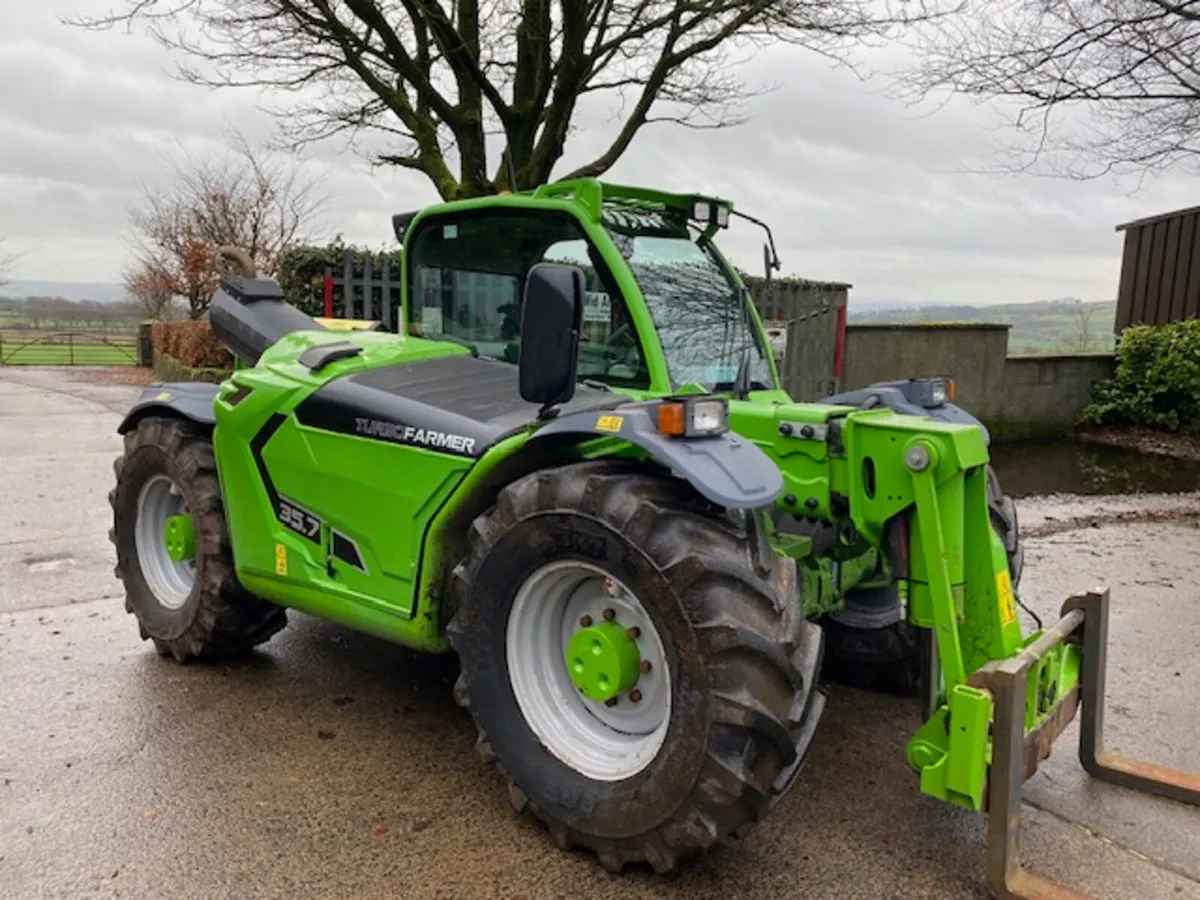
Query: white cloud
856	187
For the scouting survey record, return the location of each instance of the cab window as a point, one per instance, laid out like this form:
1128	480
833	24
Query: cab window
467	280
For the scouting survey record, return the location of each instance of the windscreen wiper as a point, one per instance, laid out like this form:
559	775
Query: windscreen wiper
741	384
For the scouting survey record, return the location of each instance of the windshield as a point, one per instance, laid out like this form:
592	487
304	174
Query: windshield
701	315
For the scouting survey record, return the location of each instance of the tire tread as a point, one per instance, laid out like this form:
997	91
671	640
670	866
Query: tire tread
229	620
755	645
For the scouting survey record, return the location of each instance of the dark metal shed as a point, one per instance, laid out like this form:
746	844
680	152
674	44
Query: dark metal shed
1160	269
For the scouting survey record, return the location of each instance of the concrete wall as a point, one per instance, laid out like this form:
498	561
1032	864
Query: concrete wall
1015	396
1042	395
973	356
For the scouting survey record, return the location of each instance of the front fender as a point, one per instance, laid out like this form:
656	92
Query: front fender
191	400
726	469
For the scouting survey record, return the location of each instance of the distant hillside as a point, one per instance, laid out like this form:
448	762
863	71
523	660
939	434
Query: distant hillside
100	291
1042	327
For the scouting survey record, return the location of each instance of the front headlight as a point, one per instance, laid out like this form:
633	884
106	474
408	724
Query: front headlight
693	416
707	417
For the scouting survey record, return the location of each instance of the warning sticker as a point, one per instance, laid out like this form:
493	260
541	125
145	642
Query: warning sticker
1008	602
280	559
610	423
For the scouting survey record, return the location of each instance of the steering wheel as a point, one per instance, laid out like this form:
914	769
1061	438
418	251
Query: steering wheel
622	349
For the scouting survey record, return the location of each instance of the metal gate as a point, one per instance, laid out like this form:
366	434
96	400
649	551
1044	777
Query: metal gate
806	322
68	348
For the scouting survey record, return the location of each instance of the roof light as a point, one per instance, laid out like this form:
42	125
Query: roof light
701	210
935	391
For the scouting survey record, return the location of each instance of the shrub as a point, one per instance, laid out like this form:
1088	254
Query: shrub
191	343
1156	382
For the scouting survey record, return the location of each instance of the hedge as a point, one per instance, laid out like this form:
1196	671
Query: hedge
167	369
1156	382
191	344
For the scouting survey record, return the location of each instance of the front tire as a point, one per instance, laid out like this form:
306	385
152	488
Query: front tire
182	590
729	699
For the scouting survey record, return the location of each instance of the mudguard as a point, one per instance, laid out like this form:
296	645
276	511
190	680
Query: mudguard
191	400
726	469
904	397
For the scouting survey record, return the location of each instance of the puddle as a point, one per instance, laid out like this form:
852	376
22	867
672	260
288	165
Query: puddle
1028	468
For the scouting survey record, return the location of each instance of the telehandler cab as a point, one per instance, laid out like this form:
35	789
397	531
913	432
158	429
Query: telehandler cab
575	468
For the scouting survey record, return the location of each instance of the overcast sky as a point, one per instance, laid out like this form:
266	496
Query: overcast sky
857	187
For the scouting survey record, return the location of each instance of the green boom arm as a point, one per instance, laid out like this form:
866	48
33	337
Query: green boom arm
866	469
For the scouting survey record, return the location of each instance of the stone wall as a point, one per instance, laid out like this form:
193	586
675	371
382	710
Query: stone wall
1015	396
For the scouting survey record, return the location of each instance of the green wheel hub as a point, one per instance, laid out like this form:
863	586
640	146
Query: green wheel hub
603	661
180	538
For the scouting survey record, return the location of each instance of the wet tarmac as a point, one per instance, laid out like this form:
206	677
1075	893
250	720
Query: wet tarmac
332	765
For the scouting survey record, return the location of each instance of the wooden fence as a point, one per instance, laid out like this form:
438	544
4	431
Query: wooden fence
806	323
373	293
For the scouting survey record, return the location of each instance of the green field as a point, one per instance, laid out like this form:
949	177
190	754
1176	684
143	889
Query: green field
1056	326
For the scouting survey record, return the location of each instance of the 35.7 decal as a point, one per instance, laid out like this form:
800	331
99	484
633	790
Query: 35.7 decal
299	520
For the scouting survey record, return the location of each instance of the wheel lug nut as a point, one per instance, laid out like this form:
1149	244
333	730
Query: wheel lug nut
635	696
611	701
634	632
609	614
645	666
585	621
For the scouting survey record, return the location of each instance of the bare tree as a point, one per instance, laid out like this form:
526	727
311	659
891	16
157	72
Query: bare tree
1081	339
7	261
245	198
438	79
1079	336
154	289
1098	86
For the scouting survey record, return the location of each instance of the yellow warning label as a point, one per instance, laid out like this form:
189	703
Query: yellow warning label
1008	603
162	395
280	559
610	423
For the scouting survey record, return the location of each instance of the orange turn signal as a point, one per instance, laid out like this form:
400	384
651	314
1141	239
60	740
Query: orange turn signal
671	418
951	390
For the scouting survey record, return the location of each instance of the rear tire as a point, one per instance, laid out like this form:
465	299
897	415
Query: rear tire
190	609
888	658
740	662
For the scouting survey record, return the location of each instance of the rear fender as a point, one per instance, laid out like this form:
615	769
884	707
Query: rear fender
725	469
191	400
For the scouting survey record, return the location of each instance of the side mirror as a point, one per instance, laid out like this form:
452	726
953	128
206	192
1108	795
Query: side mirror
551	318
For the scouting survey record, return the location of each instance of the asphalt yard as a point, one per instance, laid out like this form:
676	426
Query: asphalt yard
333	765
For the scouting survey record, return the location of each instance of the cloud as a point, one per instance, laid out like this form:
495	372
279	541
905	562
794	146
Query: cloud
856	186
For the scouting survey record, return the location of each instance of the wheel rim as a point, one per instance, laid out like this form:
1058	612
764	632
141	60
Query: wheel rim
162	533
606	731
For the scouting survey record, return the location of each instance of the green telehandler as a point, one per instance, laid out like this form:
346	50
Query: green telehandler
574	468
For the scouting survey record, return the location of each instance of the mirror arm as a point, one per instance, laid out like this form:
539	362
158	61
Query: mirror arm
770	256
